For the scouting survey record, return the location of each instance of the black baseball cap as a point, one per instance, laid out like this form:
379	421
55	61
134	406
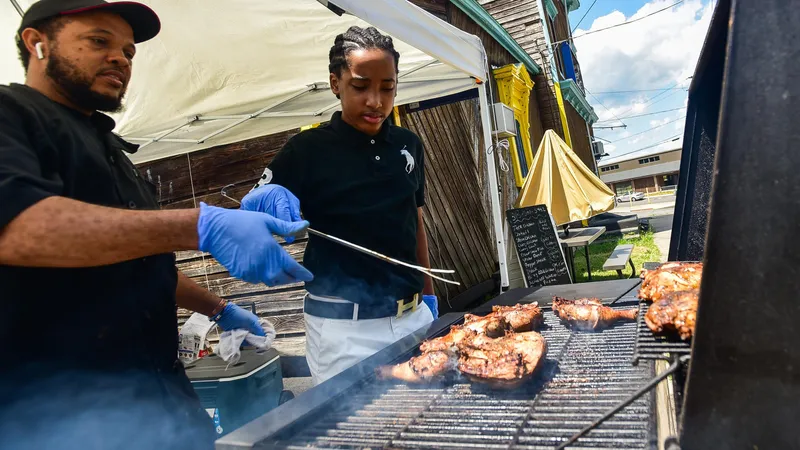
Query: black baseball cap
142	19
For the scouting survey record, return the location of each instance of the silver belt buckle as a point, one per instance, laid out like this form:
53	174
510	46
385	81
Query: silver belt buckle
402	309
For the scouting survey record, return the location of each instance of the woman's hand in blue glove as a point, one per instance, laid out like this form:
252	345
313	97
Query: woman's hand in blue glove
242	242
233	317
275	200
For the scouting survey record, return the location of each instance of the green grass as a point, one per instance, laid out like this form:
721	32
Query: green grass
644	250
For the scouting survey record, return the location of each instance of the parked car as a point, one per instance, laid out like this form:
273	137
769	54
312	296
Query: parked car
630	196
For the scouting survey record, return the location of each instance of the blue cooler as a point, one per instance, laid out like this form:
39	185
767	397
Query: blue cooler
243	392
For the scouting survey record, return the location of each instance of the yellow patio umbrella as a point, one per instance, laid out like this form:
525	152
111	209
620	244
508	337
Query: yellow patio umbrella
559	179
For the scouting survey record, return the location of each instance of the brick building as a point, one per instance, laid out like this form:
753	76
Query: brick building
644	172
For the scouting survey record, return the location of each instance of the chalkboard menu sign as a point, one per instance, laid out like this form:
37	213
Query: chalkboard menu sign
537	246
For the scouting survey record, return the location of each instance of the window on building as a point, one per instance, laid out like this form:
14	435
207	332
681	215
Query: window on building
649	160
623	187
523	161
609	168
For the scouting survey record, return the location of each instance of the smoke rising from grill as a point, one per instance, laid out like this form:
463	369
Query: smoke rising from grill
87	411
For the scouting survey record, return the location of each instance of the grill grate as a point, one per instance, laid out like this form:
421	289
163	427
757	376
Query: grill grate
652	346
584	375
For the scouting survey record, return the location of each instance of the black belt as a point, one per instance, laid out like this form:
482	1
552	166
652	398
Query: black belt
353	311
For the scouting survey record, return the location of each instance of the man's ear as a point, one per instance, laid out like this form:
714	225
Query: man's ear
334	82
31	37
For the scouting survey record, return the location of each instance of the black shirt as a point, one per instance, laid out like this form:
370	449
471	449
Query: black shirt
119	318
366	190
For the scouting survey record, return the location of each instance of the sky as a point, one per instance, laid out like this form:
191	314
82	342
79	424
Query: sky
655	56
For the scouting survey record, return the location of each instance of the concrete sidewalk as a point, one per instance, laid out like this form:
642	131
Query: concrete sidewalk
662	231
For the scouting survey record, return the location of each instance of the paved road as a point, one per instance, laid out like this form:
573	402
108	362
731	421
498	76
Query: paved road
660	211
657	206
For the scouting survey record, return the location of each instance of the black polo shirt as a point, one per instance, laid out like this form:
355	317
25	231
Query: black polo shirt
366	190
119	318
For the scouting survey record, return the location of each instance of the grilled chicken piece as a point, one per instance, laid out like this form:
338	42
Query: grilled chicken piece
505	362
447	342
426	367
589	314
519	317
491	324
676	311
670	277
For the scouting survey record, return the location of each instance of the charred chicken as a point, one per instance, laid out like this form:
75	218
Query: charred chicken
670	277
484	348
517	318
589	314
674	312
505	362
520	318
426	367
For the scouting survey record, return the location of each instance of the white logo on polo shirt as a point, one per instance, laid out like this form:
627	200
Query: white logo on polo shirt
266	178
409	159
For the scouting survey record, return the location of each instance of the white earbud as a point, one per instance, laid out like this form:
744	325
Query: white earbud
39	53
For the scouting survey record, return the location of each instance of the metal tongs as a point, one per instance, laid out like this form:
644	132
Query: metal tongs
397	262
425	270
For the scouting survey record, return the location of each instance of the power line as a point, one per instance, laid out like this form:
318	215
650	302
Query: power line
584	16
649	100
669	139
649	114
649	129
620	24
606	107
637	90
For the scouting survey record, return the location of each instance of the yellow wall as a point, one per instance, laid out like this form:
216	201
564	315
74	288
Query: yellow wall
514	86
563	113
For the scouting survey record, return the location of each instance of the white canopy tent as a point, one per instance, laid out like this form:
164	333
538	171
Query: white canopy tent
223	73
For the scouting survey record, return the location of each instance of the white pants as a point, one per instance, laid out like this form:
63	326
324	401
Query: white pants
333	345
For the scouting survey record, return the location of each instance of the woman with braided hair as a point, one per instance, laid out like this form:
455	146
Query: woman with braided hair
362	179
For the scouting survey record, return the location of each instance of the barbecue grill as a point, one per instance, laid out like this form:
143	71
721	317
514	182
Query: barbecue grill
584	376
742	389
652	346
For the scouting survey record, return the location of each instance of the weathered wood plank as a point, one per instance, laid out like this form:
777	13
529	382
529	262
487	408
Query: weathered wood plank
440	211
185	255
284	324
291	345
452	177
209	266
463	198
436	7
267	304
213	168
469	198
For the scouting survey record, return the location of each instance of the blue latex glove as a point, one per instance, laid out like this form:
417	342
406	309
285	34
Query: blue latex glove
242	242
233	317
433	304
275	200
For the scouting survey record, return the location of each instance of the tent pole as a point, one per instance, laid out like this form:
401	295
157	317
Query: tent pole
494	191
18	8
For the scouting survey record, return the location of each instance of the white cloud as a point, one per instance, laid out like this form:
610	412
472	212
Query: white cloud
658	123
658	51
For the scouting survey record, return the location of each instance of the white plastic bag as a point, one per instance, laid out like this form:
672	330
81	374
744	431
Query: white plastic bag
192	337
230	342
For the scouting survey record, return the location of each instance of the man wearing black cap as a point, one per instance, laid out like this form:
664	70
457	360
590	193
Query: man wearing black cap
88	283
